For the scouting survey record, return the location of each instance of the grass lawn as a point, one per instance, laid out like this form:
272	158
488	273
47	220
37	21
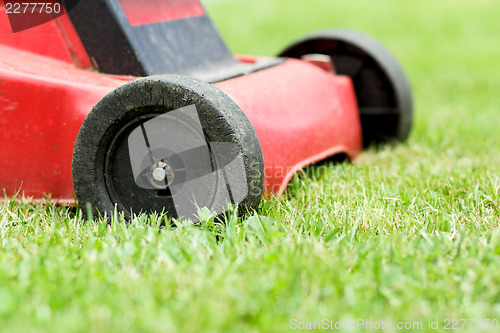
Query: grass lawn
405	233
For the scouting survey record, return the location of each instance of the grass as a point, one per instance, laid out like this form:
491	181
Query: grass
405	233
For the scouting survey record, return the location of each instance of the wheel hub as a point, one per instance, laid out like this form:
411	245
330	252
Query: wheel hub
161	174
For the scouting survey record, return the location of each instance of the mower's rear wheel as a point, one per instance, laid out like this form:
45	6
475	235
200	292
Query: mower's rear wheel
382	88
167	144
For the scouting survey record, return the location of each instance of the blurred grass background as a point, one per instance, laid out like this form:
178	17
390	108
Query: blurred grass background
405	233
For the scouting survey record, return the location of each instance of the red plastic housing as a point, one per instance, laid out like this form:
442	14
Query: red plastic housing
152	11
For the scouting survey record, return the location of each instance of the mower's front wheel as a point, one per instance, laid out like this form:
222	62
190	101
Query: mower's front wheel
167	144
382	88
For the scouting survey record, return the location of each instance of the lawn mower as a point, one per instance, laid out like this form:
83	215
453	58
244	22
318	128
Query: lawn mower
138	106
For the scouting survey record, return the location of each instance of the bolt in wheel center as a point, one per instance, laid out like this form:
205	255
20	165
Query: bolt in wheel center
160	174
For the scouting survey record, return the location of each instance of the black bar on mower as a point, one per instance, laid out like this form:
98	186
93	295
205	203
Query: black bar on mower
150	37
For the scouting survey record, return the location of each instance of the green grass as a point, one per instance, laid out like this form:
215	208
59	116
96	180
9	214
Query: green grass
405	233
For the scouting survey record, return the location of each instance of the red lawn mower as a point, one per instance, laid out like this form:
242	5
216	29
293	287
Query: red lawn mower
138	106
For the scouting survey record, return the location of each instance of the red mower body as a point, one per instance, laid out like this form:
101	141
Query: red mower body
301	113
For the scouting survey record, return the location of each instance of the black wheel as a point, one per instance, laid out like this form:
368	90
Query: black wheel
167	144
382	88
